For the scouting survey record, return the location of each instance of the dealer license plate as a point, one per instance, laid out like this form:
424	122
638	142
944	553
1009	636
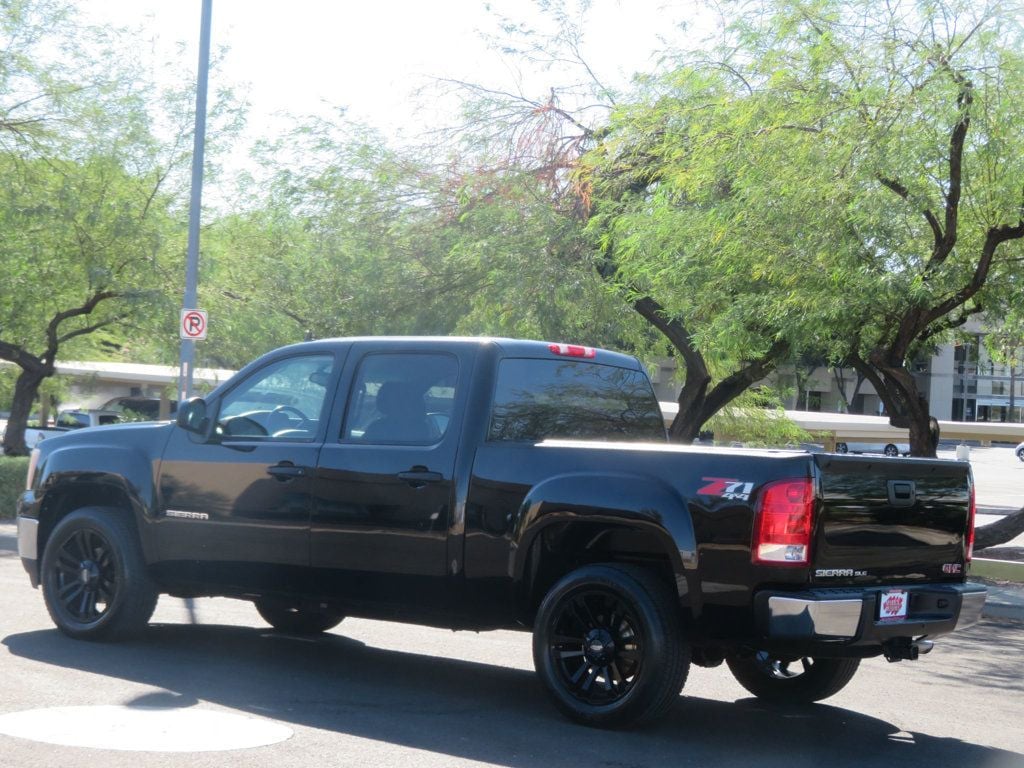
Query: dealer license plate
892	605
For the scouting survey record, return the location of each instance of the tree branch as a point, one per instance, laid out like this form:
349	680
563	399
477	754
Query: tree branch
52	339
930	217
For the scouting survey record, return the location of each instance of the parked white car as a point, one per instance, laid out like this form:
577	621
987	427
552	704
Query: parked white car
68	421
889	449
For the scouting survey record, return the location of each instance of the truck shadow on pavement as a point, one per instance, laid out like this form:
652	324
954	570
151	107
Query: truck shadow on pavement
474	711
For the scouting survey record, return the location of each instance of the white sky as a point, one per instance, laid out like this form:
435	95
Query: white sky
305	56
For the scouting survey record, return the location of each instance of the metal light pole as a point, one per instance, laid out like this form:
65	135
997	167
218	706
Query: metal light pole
188	346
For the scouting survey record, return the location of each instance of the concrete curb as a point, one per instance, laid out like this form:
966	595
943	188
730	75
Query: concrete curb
1004	601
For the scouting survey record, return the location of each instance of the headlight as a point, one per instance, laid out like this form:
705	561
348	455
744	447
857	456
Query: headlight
33	460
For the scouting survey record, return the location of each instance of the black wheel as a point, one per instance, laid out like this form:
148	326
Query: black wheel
608	645
296	620
94	577
1020	453
841	448
891	450
800	681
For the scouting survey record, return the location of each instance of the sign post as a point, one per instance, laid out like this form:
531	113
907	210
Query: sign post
188	341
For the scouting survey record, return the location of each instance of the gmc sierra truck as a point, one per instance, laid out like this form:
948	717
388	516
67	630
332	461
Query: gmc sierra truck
492	483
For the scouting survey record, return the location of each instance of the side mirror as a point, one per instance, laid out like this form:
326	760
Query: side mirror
192	417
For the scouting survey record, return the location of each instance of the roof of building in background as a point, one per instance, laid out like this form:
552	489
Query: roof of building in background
138	373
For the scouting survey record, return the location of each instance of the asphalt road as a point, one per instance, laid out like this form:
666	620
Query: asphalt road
377	694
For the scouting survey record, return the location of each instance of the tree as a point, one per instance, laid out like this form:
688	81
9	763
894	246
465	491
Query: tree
81	240
901	124
82	208
605	176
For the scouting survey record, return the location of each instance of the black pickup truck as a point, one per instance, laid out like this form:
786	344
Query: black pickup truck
492	483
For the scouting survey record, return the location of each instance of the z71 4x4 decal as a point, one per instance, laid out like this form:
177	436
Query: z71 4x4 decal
726	488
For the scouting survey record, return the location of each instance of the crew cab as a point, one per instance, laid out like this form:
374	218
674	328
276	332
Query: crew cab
495	483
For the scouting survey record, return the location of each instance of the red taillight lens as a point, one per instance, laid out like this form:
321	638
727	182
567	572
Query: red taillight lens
783	523
572	350
971	514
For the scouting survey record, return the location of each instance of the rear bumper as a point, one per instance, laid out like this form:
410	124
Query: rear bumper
851	616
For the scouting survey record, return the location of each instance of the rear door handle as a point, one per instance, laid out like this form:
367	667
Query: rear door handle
417	477
902	493
287	471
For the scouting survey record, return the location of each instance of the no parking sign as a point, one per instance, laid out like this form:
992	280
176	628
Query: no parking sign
193	324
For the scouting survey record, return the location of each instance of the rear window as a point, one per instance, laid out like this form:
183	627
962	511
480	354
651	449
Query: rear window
541	399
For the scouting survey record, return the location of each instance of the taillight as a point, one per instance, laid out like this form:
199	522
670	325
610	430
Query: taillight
971	514
572	350
783	523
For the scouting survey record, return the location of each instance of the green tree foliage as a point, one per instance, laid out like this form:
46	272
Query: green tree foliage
82	206
349	236
843	175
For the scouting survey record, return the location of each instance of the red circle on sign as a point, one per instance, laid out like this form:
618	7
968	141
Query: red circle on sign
893	604
193	324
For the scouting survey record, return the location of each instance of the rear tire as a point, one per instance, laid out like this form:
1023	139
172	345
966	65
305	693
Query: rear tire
1020	454
94	576
842	448
891	450
296	620
608	646
792	682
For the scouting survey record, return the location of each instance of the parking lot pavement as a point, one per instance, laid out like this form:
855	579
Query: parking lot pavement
998	483
998	477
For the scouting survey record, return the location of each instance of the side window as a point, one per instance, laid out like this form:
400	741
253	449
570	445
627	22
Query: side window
541	399
283	401
401	399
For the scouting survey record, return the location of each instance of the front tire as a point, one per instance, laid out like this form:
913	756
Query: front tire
296	620
801	681
94	577
1020	453
608	646
891	450
842	448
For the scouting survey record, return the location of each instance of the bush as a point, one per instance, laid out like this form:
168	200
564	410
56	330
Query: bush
12	482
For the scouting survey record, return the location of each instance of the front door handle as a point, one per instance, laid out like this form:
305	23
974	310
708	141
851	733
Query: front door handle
418	477
286	471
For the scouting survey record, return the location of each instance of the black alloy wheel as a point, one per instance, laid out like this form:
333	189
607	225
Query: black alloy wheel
86	576
94	577
608	645
842	448
892	450
597	648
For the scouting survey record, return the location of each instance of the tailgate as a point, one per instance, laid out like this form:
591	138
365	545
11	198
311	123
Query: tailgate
890	520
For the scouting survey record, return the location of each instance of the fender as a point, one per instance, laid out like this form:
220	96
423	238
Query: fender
124	468
639	501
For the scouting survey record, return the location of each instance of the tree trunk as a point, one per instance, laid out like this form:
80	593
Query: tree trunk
906	405
25	390
686	425
924	434
993	534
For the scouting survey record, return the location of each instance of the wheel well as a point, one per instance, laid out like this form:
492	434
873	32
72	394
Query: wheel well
63	500
564	547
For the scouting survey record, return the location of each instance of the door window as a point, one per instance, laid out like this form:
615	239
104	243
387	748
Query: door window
283	401
401	399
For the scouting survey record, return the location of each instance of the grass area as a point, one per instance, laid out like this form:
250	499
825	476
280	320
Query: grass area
12	483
